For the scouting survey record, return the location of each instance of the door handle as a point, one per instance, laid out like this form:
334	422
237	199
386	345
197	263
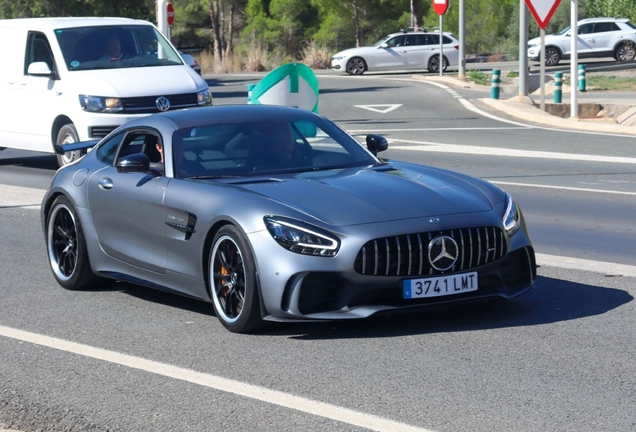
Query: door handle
105	183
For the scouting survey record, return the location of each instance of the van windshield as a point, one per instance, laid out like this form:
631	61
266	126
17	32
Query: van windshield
110	47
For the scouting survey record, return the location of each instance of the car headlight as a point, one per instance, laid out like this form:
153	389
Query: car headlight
100	104
336	58
204	97
301	238
511	216
532	45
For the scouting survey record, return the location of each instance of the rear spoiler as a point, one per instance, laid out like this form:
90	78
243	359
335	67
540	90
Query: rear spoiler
83	145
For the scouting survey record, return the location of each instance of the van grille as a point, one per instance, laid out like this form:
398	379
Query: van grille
407	255
148	104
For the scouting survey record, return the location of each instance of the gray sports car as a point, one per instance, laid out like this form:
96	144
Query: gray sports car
274	213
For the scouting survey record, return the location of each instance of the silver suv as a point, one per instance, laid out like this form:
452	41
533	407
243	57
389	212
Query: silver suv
597	37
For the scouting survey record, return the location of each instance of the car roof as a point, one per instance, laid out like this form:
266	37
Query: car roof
193	117
598	19
418	32
70	22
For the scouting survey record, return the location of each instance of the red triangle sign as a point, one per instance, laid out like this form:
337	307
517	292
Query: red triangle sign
542	10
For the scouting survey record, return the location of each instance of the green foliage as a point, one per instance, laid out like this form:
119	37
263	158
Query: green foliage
512	74
477	76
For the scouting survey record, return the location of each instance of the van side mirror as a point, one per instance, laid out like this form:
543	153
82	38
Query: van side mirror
376	143
40	69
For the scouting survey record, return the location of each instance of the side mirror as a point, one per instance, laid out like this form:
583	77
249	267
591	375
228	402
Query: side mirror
137	162
40	69
376	143
384	45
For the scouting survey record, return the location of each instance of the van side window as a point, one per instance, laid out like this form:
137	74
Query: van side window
38	50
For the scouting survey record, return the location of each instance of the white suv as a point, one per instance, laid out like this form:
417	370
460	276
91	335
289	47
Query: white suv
399	51
597	37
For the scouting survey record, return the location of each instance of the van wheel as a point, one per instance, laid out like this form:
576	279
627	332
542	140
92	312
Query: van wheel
68	135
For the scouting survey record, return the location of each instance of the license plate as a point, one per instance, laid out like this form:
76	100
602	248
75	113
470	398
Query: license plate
440	286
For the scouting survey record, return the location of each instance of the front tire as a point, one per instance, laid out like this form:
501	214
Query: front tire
233	281
356	66
433	63
552	56
626	51
66	246
68	135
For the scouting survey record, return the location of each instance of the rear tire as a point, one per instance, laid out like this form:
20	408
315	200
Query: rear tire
68	135
626	51
433	63
66	246
233	284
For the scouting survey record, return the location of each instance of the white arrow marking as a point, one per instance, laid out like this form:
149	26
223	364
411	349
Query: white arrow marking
376	108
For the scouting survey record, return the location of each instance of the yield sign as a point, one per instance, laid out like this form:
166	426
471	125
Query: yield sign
382	109
542	10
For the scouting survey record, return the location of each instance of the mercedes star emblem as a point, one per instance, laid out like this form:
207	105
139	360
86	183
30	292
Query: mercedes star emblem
442	252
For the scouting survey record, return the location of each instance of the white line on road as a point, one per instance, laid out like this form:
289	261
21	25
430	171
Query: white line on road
470	129
427	146
586	265
563	188
263	394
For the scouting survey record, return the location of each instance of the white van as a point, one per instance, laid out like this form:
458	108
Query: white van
64	80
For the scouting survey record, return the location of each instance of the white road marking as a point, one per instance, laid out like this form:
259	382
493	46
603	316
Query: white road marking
377	108
17	196
433	147
366	131
286	400
603	191
586	265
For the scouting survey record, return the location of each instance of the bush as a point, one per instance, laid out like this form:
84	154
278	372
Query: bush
478	77
316	57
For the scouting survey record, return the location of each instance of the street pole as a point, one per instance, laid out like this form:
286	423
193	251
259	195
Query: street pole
412	16
542	60
462	39
441	45
574	66
162	17
523	49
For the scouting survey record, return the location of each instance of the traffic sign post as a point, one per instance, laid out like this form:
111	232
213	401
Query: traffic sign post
441	7
542	10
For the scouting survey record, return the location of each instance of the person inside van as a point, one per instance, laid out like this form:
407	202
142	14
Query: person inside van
113	50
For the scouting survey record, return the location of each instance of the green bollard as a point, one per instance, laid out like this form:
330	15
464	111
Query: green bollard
558	84
250	87
495	84
582	78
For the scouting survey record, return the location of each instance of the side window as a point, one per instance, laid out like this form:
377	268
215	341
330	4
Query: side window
447	40
396	41
605	27
107	151
586	28
38	50
141	142
432	39
417	39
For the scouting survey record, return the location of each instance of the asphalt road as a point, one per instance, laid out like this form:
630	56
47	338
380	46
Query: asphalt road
560	357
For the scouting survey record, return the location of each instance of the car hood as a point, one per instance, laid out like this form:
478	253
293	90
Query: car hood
548	38
358	51
138	81
367	195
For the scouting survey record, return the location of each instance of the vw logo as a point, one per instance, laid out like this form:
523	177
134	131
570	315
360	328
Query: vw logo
163	104
442	252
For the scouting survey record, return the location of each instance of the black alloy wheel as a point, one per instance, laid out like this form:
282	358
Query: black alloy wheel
233	281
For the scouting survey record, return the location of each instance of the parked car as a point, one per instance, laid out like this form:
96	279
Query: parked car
275	213
64	80
400	51
597	37
190	61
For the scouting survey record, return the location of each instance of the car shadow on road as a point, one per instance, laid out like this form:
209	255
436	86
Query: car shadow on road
48	162
550	301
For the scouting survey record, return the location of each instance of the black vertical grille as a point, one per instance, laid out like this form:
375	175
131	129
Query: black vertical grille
407	255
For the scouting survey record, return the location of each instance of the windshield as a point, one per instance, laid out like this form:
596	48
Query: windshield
381	41
263	148
564	31
109	47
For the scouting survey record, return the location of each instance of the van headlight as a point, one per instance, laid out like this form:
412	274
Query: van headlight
100	104
204	97
301	238
511	216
